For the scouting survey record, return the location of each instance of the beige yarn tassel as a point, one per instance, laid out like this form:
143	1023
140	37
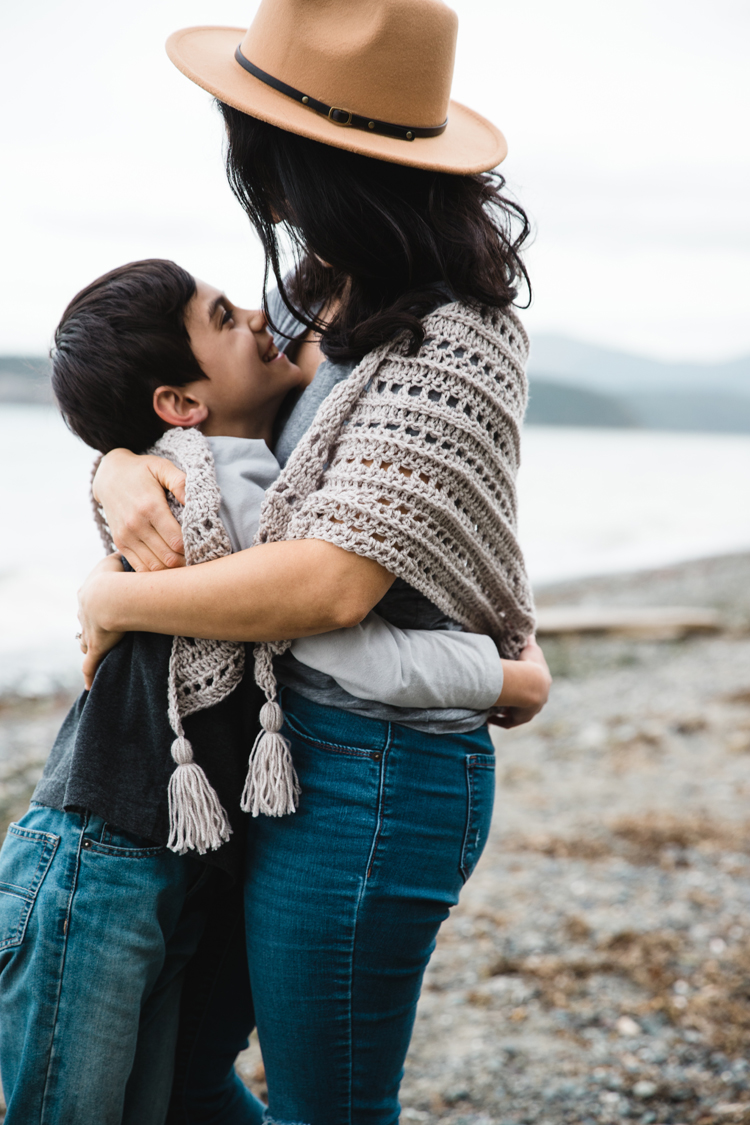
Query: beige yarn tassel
197	819
201	672
272	787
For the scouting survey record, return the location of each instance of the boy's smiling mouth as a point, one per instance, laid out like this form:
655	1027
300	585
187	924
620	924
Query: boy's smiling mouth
271	353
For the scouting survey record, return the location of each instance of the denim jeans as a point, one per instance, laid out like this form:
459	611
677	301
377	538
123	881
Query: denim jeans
343	902
96	927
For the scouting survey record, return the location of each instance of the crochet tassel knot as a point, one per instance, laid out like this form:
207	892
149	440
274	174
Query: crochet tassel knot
272	786
196	818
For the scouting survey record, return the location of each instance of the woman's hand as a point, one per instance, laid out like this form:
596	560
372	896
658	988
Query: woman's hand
526	687
131	489
96	641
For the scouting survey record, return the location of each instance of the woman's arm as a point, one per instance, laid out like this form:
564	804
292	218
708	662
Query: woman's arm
271	592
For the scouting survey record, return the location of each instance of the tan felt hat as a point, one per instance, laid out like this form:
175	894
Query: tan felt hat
371	76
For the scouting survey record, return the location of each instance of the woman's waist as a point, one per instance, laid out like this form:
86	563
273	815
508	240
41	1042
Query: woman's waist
338	726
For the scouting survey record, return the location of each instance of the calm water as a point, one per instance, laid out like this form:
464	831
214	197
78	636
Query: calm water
592	501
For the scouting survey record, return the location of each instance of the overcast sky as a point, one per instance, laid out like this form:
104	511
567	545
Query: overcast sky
627	125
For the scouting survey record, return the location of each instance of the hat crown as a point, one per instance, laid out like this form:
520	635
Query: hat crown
387	59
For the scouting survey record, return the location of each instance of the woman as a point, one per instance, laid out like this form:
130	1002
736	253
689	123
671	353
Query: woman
401	494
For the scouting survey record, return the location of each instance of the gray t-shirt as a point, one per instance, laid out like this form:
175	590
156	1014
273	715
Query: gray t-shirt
402	606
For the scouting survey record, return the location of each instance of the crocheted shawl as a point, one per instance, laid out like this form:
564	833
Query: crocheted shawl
412	462
201	672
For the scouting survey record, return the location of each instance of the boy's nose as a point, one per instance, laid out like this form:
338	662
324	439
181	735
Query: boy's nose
256	320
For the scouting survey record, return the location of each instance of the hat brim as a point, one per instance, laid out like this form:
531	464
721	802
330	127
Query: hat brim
205	55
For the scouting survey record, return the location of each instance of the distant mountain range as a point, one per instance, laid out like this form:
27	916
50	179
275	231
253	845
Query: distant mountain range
560	359
578	384
572	384
24	378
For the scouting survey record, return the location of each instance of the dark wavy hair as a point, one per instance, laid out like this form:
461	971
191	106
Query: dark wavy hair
382	239
118	340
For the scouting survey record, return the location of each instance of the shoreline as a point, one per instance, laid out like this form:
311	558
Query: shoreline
49	674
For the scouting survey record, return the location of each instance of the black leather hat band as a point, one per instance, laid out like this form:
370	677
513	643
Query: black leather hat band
339	116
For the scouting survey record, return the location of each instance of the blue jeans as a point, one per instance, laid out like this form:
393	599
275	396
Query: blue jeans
343	902
96	927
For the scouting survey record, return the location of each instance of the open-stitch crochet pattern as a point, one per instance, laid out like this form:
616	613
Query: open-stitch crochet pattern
412	462
201	672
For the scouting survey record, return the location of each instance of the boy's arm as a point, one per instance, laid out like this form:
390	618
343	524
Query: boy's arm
424	668
526	687
429	668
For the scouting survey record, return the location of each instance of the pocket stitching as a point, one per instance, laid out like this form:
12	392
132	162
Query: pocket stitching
48	841
334	747
126	853
473	762
14	892
49	847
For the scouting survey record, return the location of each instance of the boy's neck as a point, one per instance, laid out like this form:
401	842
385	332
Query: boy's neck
258	425
236	428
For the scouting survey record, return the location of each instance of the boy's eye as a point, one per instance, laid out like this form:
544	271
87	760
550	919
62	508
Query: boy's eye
226	316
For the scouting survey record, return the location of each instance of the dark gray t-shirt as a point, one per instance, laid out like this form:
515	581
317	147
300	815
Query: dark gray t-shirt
403	606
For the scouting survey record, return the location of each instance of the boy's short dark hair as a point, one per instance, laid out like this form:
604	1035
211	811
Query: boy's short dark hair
119	339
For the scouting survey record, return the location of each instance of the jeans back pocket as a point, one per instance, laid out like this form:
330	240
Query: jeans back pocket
24	861
480	785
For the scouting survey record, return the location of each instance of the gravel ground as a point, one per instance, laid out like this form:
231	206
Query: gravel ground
597	968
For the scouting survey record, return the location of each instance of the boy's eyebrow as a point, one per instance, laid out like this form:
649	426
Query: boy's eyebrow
220	300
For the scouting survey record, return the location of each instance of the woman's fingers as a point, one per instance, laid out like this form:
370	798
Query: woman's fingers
532	651
95	641
170	478
146	527
514	717
90	664
131	489
145	546
95	654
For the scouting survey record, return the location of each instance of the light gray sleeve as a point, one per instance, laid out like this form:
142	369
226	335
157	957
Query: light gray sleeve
407	667
245	468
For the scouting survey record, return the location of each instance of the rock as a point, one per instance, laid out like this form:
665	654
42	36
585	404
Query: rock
644	1089
627	1027
456	1094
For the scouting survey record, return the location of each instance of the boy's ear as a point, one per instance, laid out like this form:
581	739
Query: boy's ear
177	407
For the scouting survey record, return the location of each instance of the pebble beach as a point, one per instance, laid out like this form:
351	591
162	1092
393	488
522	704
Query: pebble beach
597	968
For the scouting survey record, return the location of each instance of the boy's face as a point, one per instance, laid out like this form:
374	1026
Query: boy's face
247	376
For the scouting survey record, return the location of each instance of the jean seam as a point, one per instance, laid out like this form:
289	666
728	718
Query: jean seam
97	848
61	973
30	833
381	802
360	897
473	762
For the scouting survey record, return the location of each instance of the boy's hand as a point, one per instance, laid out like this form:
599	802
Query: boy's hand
95	641
526	681
131	490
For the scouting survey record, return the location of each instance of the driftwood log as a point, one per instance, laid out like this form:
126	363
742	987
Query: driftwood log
648	623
